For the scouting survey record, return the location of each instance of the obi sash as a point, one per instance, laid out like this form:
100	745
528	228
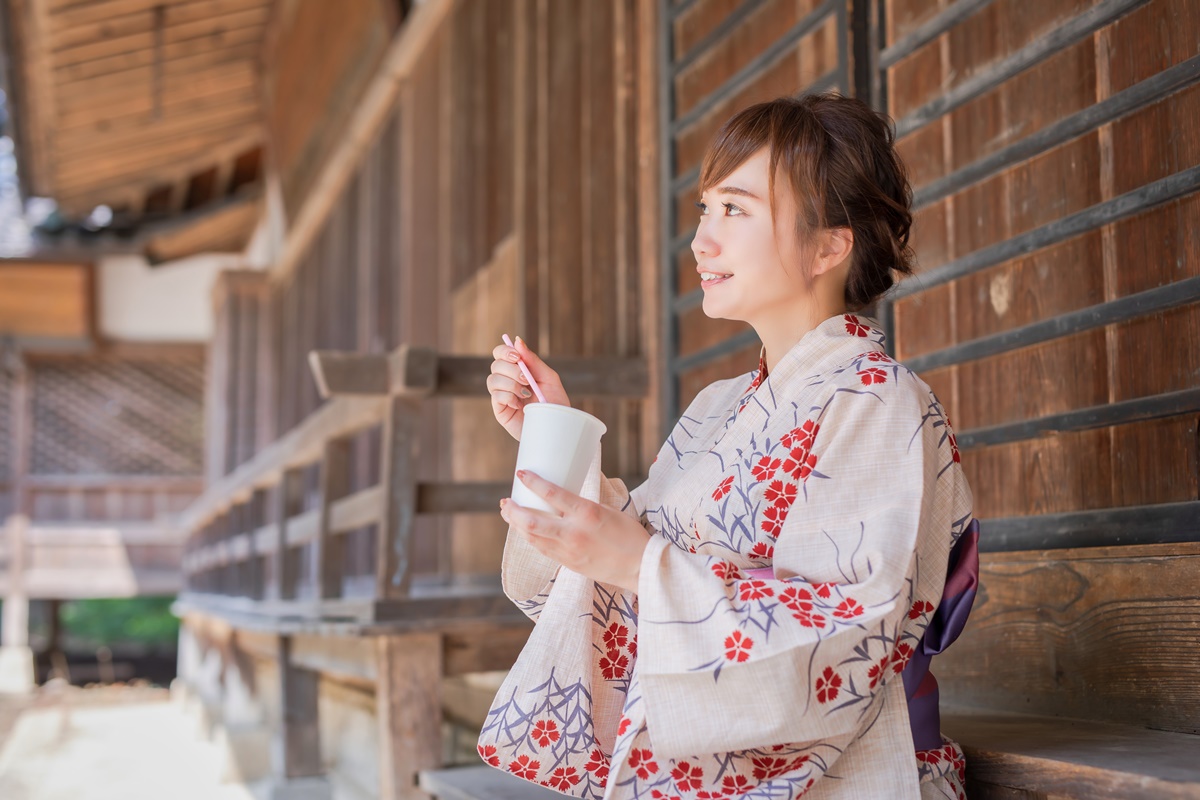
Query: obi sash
920	687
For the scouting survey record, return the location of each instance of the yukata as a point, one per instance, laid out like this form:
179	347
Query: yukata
811	546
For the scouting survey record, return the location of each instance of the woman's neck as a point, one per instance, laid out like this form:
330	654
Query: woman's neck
780	334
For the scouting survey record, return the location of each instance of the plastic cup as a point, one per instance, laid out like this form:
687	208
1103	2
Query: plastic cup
558	443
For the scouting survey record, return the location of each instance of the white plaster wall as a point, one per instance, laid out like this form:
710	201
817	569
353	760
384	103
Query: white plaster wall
166	303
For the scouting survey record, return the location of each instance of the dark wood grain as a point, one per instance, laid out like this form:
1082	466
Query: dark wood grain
1098	633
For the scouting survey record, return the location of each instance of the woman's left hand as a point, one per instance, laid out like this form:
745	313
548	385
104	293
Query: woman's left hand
589	538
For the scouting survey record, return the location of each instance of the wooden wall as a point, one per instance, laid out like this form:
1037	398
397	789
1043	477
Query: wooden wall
500	195
720	58
1053	151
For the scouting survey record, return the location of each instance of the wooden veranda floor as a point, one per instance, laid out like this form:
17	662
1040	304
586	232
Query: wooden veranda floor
127	743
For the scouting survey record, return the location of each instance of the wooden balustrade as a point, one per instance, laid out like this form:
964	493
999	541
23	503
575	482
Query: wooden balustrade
230	541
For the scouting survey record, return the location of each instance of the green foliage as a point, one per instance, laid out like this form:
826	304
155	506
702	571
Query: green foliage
144	621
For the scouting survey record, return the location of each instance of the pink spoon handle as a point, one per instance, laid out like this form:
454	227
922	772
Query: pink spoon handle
525	371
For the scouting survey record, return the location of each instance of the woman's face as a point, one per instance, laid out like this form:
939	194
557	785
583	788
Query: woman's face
738	238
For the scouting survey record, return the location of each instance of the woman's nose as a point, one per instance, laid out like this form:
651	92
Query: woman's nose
703	244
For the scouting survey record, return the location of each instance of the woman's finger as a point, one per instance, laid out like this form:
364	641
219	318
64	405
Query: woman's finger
502	383
508	370
558	497
503	352
532	521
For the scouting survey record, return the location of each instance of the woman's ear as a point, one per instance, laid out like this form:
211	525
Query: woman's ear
834	248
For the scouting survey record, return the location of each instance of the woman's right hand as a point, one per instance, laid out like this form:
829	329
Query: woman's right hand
510	390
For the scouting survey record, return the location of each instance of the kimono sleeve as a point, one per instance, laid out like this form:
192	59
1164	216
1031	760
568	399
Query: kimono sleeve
730	663
527	575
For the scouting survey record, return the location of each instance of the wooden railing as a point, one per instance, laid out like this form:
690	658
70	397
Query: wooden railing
254	515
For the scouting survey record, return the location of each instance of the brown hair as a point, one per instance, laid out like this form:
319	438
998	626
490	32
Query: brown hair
839	156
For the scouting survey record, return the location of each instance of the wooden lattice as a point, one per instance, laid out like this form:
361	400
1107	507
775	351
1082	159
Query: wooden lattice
118	416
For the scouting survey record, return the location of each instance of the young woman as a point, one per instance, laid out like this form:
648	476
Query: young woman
758	617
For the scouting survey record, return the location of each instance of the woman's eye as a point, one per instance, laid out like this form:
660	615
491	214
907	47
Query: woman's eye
703	208
732	209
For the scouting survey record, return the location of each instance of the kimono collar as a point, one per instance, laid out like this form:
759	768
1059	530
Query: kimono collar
835	341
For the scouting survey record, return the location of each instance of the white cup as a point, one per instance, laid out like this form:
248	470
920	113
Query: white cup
558	443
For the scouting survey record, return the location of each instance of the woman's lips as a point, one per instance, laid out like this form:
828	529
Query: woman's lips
704	284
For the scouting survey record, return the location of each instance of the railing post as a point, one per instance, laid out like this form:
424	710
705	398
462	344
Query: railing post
399	481
330	550
298	772
257	504
288	498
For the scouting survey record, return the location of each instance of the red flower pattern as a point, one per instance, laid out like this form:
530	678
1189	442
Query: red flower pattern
796	599
780	494
854	327
488	754
809	619
772	521
754	590
563	778
614	665
597	762
725	571
900	657
800	464
876	672
623	726
765	468
723	488
738	646
616	636
872	375
919	608
827	685
642	762
762	550
822	589
802	436
848	609
735	784
525	767
545	732
687	778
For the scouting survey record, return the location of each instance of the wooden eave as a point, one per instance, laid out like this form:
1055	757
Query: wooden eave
146	106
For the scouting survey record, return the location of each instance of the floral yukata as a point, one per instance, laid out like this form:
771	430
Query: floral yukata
812	546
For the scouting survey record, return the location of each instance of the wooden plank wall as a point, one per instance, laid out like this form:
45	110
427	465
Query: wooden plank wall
502	195
1102	632
722	59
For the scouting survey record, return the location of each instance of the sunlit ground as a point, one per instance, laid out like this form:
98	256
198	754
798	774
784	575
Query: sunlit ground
106	743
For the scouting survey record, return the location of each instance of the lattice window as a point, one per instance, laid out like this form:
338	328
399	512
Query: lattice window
118	416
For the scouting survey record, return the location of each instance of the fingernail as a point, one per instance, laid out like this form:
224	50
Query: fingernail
503	502
513	357
526	393
520	473
520	341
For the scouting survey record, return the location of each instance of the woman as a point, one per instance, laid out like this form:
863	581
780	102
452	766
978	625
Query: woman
811	543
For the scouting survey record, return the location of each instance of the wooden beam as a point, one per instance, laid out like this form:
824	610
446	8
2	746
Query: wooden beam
339	373
361	132
409	710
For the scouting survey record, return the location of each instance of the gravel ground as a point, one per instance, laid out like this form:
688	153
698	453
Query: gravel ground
108	743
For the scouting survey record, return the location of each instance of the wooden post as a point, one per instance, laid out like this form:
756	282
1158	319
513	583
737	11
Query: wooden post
335	484
399	481
288	498
255	521
409	710
15	627
299	770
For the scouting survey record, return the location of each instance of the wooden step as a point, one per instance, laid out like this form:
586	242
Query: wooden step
1025	757
481	783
